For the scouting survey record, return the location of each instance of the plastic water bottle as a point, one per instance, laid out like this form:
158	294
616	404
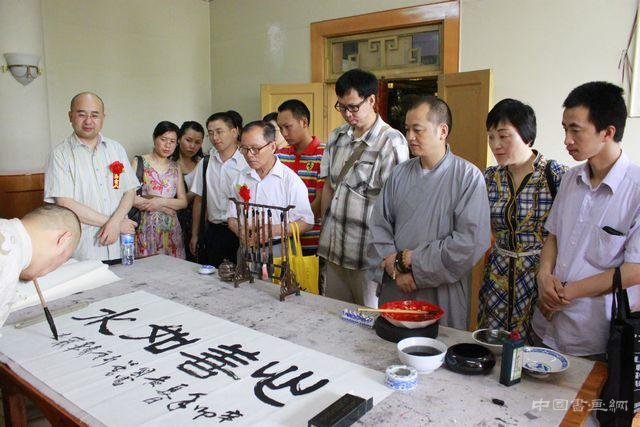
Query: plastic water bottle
127	248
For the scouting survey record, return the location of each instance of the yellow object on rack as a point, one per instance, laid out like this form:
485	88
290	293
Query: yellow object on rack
305	268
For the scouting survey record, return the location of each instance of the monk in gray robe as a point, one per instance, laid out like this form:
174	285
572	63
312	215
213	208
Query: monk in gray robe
430	224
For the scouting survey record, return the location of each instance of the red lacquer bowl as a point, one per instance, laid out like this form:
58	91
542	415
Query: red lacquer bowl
410	320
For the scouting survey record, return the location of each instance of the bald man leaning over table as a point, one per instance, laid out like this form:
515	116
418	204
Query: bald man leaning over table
33	246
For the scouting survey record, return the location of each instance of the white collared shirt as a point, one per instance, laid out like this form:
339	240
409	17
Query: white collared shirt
280	187
220	177
76	171
577	219
15	256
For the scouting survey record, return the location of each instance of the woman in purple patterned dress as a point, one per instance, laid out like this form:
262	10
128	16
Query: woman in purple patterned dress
163	193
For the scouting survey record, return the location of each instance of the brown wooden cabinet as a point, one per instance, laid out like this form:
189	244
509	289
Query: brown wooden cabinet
20	194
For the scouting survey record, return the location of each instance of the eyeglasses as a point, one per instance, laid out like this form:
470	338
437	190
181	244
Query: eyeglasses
352	108
253	150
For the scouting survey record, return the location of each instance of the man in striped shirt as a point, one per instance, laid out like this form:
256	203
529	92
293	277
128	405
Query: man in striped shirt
359	157
303	156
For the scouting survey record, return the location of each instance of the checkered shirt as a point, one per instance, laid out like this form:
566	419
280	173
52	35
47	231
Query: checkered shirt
345	224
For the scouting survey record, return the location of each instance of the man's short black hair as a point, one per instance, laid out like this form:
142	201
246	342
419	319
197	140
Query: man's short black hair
268	130
605	104
270	117
518	114
439	111
297	108
231	118
363	82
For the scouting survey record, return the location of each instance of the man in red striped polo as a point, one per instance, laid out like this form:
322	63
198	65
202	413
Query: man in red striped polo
303	156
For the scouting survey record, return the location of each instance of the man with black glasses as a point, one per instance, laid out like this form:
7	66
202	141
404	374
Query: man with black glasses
358	158
268	182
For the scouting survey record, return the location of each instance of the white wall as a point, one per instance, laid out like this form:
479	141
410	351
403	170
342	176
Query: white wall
24	119
148	59
538	49
550	48
258	41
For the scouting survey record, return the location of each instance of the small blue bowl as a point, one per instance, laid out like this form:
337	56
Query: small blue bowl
206	269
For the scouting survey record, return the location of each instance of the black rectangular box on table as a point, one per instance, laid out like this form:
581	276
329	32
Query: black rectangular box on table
343	412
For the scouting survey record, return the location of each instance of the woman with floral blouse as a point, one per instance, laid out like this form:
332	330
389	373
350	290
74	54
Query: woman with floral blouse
163	193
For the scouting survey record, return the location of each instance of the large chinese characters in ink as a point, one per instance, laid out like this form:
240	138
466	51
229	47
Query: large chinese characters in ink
139	359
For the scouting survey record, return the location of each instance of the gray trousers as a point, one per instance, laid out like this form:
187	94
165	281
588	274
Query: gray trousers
349	285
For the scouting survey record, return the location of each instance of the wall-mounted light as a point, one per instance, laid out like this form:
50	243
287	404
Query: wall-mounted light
23	66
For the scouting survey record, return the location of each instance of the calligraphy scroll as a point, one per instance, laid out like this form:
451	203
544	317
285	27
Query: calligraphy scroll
139	359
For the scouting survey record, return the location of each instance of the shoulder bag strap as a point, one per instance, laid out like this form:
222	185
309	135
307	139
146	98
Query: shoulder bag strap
620	302
551	182
355	155
139	173
203	205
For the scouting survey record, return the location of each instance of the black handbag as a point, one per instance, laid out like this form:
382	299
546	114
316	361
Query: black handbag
202	256
621	391
134	213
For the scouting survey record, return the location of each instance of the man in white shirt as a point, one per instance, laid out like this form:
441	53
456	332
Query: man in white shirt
29	248
224	164
594	227
269	181
92	176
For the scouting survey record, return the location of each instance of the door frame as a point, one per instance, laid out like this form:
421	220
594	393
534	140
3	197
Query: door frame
447	12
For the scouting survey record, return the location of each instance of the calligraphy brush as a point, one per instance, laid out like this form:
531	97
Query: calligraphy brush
270	267
254	254
47	313
263	247
259	242
283	243
245	213
399	311
263	236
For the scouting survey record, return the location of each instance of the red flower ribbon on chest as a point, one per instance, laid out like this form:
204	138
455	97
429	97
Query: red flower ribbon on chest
245	193
116	169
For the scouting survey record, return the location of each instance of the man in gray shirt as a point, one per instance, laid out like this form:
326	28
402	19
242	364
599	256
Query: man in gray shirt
430	224
92	176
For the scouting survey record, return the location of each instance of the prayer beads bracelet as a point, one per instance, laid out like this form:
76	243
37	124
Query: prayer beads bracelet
399	263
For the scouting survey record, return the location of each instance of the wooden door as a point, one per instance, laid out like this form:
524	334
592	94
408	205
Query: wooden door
312	94
469	98
334	117
20	194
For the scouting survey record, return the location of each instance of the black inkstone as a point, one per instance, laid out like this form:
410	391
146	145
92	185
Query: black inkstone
469	359
343	412
387	331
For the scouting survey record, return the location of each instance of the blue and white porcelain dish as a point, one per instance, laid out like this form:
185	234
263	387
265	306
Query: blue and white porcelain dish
206	269
544	361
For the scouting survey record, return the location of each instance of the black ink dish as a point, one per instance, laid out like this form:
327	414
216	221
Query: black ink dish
420	350
470	359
